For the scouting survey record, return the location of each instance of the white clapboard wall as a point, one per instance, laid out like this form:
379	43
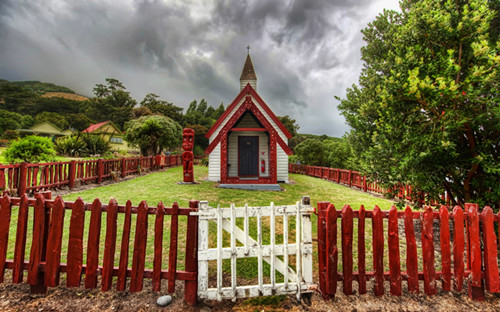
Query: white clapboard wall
293	282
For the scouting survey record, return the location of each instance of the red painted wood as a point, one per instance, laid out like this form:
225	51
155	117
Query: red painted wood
35	275
394	259
361	251
490	251
458	247
172	258
322	271
122	270
428	252
22	226
191	264
378	251
5	214
93	245
347	263
54	243
331	251
139	248
411	252
109	246
75	244
444	229
2	179
22	179
160	211
72	174
476	290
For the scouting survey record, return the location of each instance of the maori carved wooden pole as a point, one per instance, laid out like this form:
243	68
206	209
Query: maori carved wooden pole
188	156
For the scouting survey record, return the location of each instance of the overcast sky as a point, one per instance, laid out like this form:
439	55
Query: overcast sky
304	52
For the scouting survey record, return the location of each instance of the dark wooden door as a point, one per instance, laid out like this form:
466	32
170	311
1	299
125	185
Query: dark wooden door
248	156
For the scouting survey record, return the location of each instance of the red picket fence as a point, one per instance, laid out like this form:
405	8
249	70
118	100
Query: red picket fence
45	176
471	231
44	265
355	178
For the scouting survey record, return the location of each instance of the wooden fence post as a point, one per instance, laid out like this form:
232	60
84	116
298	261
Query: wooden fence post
350	178
124	167
100	170
476	287
191	264
72	174
365	186
21	189
321	212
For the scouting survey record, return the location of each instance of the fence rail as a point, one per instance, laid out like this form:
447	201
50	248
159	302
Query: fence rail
356	179
25	177
44	265
469	229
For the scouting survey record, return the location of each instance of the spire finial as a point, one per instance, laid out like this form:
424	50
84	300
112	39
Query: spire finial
248	49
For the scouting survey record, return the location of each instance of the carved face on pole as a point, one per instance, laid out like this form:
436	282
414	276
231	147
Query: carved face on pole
188	139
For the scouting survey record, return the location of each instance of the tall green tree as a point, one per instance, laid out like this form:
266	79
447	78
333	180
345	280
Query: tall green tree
165	108
111	102
426	111
154	133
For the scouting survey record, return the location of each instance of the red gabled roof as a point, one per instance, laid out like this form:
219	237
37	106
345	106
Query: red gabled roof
249	105
247	89
96	126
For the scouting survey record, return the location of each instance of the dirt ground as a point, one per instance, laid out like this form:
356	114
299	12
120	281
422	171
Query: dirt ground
16	297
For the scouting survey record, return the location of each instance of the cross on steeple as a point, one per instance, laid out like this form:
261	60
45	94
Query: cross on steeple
248	49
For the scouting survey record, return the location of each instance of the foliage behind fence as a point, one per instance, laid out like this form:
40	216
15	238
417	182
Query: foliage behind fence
25	177
356	179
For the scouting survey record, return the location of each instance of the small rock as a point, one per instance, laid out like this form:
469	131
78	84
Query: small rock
205	308
164	300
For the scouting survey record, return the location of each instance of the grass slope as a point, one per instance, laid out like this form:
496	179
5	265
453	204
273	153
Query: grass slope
162	186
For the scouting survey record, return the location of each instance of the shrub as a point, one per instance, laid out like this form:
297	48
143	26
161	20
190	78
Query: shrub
96	145
72	146
31	149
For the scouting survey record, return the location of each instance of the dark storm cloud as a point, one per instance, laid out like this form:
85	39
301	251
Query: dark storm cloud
304	52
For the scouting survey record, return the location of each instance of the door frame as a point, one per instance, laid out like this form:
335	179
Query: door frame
258	153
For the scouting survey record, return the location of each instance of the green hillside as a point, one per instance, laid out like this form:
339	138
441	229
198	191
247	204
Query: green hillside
38	87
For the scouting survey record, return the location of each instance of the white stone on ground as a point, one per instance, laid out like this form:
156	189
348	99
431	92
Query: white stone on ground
164	300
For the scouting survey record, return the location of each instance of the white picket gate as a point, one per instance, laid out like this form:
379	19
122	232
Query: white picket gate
293	281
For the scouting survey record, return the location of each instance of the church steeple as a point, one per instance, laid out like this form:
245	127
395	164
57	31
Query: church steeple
248	73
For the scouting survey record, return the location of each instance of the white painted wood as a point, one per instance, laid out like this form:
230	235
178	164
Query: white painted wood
298	257
246	242
281	163
273	245
233	252
259	251
307	270
226	221
285	243
214	164
203	247
219	253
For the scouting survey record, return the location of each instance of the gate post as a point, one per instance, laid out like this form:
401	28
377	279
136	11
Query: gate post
321	212
191	286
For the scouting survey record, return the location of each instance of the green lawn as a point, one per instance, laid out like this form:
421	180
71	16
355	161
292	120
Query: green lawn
163	186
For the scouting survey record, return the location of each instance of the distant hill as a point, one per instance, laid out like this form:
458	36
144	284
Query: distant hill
64	95
38	87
